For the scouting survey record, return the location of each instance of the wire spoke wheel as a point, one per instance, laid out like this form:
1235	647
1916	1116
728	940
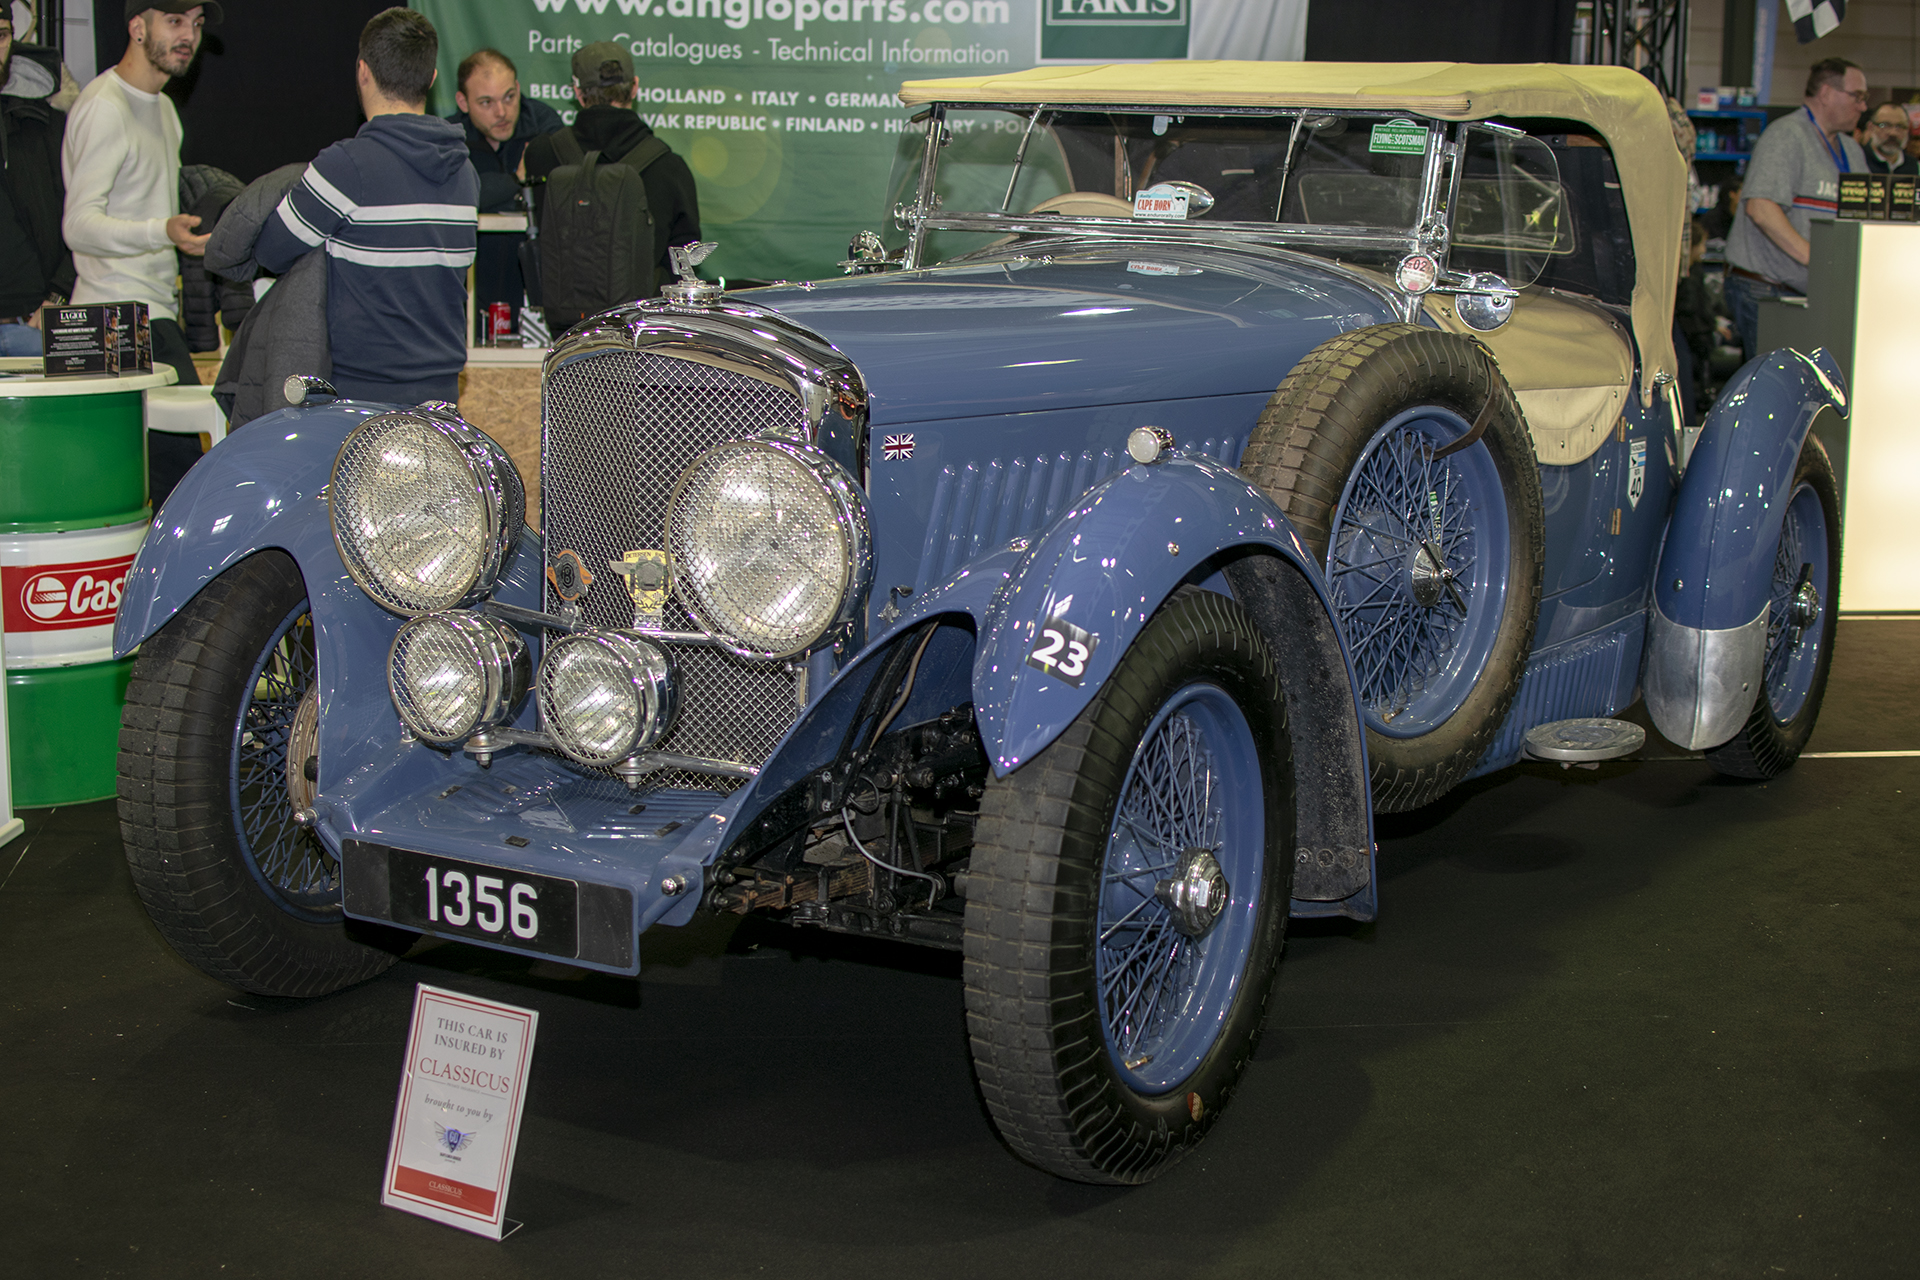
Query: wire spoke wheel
218	750
1126	901
1191	790
1416	542
1802	612
1434	553
1793	610
288	861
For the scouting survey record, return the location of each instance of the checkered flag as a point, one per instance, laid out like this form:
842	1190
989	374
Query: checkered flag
1814	18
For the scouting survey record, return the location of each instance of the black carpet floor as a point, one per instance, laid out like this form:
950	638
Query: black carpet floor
1636	1021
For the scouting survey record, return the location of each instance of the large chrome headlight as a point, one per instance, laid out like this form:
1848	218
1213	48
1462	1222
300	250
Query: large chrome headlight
768	539
606	695
454	674
425	510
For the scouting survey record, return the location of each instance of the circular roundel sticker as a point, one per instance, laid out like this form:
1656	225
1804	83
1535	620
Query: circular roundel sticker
45	597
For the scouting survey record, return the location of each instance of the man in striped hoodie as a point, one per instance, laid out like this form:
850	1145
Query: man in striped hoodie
394	207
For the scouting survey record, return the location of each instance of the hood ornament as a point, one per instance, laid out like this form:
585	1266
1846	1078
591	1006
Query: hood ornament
690	289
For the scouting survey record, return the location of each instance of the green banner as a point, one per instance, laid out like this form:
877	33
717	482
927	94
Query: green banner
786	109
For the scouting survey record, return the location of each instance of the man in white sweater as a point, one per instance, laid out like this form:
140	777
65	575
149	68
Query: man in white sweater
121	161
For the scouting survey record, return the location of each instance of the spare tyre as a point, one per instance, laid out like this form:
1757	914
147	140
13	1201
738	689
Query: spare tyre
1404	462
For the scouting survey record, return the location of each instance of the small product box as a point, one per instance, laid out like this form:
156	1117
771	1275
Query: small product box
97	338
136	336
1900	197
77	341
1707	99
1858	192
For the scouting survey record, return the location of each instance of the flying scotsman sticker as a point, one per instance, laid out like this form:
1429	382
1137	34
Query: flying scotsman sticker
1063	650
1399	138
897	448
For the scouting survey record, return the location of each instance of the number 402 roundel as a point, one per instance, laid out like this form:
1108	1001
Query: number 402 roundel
1062	650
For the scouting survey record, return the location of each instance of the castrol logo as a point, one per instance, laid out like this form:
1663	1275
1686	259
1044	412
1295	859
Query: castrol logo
55	597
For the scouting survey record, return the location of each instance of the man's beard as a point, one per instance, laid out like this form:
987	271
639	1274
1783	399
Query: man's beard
164	57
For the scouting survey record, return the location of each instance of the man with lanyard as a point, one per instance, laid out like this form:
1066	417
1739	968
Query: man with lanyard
1793	178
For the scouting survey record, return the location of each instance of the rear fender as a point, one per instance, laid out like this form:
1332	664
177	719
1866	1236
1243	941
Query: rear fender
1707	634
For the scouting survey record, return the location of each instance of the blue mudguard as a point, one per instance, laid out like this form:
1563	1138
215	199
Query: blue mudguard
1707	633
253	492
1104	568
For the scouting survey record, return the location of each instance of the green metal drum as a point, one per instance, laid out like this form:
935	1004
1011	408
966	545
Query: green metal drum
73	511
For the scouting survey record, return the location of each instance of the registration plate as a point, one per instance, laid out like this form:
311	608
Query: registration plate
491	904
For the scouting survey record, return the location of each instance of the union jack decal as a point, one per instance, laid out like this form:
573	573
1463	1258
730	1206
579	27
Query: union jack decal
898	448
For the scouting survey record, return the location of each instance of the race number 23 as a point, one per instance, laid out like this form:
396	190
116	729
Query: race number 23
1062	650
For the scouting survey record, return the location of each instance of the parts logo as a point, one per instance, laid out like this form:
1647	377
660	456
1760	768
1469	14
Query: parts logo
57	597
1112	30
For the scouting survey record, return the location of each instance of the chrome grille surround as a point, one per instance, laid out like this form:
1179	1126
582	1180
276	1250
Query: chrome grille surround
629	401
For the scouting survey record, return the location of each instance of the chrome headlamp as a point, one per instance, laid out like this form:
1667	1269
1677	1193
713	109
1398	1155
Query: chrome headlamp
425	509
453	675
769	544
606	695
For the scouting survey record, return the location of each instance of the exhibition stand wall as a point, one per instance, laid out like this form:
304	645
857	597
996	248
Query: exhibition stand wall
1864	277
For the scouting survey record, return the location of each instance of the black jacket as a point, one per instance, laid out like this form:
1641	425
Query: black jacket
207	301
613	132
499	187
1876	165
34	261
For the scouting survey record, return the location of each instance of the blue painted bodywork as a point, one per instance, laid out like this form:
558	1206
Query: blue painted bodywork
1717	567
1018	381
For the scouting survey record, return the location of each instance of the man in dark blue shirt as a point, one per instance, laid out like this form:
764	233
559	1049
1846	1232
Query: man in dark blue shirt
499	123
394	207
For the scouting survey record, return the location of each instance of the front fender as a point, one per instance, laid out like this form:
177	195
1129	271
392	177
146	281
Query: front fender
255	491
1105	567
1707	634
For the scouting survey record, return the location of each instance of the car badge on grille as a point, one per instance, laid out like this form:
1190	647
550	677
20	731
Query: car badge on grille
690	288
648	579
569	576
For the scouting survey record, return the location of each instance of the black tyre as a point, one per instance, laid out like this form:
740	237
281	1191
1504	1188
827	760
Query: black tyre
1802	615
1115	988
215	743
1433	554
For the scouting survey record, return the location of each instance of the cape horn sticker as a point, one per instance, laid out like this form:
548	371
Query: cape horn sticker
1063	650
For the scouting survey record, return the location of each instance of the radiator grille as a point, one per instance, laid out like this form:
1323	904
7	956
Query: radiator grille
616	431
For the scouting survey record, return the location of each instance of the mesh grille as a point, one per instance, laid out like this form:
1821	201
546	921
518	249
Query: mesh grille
760	547
616	431
438	680
405	478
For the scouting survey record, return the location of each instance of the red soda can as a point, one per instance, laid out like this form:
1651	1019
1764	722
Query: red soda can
499	323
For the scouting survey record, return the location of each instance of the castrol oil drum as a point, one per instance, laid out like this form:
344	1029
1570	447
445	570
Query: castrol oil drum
73	512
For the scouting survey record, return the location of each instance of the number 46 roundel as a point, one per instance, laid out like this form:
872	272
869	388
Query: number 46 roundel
1062	650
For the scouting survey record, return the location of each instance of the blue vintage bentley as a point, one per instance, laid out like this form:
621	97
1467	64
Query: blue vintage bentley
1203	457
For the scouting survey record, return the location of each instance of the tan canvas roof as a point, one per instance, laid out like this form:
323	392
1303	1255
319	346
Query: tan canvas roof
1618	103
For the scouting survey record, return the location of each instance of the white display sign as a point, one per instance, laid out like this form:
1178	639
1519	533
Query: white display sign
458	1120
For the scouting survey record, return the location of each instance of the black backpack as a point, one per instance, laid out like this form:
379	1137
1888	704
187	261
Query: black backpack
596	241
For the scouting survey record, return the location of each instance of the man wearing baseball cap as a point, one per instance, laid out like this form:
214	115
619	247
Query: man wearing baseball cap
121	161
605	87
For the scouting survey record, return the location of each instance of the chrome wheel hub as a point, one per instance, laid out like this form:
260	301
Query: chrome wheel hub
1427	577
303	745
1803	607
1197	893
